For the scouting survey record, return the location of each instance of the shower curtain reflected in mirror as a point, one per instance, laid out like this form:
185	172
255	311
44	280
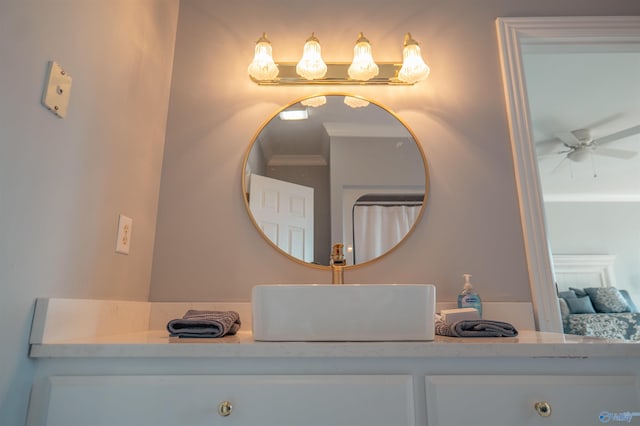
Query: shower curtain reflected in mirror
379	225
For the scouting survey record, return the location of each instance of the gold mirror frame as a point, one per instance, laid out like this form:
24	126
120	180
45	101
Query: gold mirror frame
245	189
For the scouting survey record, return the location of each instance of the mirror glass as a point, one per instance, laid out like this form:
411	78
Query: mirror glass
330	169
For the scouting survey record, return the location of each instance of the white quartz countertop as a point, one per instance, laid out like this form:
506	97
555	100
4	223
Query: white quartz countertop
158	344
70	328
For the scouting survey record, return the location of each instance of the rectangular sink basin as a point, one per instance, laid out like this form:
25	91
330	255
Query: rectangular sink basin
353	312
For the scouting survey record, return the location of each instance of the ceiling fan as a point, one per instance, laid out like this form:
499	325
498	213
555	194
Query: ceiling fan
577	145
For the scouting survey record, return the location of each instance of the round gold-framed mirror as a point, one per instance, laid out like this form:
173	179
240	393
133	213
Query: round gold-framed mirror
335	168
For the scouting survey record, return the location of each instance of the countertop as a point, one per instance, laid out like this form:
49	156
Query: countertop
158	344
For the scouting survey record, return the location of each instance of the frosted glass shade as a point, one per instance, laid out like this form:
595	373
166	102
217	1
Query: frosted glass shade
311	66
363	67
262	67
413	68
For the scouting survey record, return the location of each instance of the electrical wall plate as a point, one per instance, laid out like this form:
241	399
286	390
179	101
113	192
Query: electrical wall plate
56	93
123	239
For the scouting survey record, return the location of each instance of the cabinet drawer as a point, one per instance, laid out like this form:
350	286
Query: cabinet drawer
194	400
510	400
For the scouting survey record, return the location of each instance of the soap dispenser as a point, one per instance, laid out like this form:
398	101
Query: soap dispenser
468	298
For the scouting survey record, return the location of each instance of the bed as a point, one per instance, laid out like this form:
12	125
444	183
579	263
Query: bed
590	302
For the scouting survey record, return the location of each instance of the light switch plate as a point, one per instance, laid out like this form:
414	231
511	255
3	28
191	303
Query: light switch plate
57	91
123	242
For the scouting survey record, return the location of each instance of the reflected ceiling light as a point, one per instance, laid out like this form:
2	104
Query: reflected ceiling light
413	67
354	102
262	67
294	114
311	69
311	66
314	102
363	67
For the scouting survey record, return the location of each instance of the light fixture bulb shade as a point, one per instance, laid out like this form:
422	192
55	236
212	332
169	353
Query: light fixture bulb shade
314	102
311	66
413	68
363	67
354	102
262	67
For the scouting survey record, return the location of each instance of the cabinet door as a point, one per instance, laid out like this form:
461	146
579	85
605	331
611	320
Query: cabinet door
511	400
384	400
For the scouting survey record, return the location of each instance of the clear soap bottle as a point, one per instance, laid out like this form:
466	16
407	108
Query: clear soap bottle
468	298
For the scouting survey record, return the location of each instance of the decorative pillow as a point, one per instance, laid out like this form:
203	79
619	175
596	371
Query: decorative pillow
578	291
569	294
607	299
580	305
632	306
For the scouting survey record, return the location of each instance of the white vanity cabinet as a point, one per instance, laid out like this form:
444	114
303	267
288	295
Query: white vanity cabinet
234	400
530	400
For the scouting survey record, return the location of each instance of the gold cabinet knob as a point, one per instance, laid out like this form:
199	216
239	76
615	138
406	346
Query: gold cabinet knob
543	408
225	408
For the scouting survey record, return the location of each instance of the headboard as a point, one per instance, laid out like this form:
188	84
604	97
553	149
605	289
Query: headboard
583	270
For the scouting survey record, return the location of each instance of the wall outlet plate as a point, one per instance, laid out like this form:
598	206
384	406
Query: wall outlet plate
123	242
57	91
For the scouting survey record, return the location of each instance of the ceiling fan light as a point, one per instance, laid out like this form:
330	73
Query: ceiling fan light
579	155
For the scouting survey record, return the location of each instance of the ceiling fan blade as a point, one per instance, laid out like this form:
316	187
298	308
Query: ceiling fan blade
568	138
548	146
622	154
618	135
605	120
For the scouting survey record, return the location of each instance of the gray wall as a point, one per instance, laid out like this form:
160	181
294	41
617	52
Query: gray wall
472	224
599	228
64	181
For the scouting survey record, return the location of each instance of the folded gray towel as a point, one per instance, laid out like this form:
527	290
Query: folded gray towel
197	323
476	328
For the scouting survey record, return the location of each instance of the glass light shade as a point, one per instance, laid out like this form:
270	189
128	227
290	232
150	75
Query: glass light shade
354	102
314	102
311	66
413	67
363	67
262	67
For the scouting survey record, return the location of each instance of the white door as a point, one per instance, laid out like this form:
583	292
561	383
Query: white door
284	212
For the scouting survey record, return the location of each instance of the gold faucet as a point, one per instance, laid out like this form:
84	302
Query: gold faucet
337	264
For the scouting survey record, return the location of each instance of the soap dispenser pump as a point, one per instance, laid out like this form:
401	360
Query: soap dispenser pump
468	298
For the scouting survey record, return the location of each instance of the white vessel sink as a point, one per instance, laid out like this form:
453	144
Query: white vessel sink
356	312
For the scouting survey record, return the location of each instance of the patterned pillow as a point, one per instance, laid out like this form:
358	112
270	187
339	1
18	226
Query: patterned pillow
607	299
580	305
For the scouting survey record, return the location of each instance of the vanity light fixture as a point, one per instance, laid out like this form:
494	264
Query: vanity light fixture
354	102
262	67
311	66
314	102
363	67
312	69
413	67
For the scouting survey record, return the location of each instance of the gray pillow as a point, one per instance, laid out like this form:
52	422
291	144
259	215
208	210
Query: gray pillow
564	308
578	291
569	294
580	305
607	299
